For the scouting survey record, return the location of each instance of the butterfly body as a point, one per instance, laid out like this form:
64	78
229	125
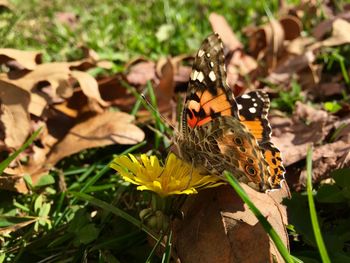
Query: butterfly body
221	133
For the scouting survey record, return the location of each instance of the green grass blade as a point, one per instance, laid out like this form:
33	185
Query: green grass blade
159	124
149	258
266	225
313	214
167	253
96	177
114	210
13	156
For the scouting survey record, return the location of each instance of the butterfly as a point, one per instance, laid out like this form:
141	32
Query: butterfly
220	132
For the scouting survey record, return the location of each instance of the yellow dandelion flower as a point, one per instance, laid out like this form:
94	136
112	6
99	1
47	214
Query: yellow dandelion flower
175	177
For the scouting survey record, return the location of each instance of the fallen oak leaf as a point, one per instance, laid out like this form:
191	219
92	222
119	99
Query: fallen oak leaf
88	85
235	234
101	130
61	78
26	59
14	114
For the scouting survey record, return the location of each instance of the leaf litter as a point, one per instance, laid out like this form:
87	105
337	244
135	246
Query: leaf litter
74	109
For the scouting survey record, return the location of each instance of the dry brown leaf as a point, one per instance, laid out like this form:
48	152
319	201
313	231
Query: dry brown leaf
239	69
101	130
307	73
14	114
220	26
292	27
26	59
61	78
325	27
112	91
91	55
293	136
183	75
329	89
88	85
326	158
141	72
340	36
15	227
299	45
13	183
219	216
166	86
267	42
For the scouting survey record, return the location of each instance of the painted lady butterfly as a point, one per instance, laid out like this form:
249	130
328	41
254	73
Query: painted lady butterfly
220	132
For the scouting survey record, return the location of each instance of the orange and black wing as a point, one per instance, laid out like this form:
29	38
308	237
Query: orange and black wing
208	94
253	109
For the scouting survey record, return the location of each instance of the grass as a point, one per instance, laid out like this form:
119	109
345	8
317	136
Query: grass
313	214
95	216
4	164
121	30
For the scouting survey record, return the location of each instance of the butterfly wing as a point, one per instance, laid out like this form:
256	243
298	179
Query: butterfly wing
213	135
253	109
208	95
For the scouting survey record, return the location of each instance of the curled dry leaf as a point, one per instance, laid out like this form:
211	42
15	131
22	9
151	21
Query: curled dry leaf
61	78
292	27
339	36
325	27
101	130
25	59
220	26
14	114
88	85
267	42
112	91
234	233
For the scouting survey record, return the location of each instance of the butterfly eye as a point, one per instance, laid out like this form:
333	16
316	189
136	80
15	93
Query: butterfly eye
238	141
250	170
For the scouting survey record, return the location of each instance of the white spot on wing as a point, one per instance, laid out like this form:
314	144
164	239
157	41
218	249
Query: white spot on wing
194	74
255	104
212	64
212	76
252	110
200	76
208	55
245	96
239	106
200	53
253	99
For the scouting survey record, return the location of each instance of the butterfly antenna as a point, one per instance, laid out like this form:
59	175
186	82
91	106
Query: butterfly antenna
166	120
